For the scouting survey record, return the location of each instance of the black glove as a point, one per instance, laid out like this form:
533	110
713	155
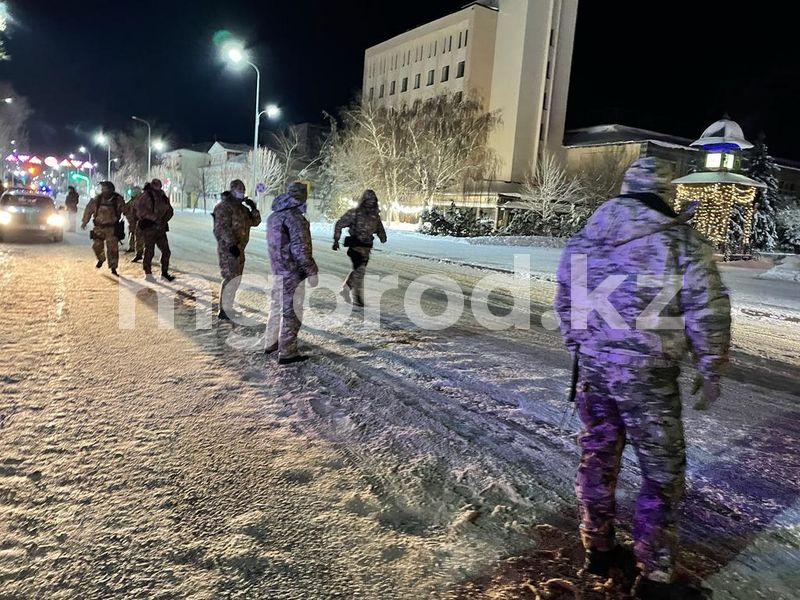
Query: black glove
335	245
235	252
250	203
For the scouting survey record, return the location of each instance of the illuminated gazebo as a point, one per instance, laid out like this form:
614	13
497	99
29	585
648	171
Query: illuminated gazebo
720	186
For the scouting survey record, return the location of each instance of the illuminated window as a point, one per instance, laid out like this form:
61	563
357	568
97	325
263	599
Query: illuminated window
729	162
713	160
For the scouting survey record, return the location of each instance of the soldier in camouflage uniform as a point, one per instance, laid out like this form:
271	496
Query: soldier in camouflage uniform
233	217
154	211
136	241
105	210
364	222
629	364
292	261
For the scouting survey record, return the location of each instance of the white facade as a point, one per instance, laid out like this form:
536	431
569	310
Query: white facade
516	58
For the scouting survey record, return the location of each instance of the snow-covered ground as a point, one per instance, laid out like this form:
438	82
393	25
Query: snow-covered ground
398	463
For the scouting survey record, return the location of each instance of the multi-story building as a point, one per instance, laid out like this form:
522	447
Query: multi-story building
514	55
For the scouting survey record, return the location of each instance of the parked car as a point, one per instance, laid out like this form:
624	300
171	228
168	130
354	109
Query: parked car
26	211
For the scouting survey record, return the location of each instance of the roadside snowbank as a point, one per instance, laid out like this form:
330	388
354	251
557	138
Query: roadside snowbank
787	270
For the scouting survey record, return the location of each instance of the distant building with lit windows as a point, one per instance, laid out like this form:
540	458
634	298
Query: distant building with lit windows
515	55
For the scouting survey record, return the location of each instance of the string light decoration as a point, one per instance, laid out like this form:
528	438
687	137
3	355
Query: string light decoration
718	188
716	202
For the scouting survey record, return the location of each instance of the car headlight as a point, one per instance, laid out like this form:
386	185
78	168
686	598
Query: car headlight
5	218
55	221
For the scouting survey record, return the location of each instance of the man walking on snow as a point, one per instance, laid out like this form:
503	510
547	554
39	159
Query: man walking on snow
135	240
364	223
105	210
629	361
153	209
292	261
233	216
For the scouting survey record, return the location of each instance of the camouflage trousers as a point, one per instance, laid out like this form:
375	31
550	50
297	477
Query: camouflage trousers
355	280
136	239
285	314
643	404
231	268
106	245
152	237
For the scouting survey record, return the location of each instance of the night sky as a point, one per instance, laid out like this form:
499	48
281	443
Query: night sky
91	64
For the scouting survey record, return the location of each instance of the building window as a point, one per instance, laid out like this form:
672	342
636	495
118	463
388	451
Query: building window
544	102
445	73
461	68
392	88
450	44
460	38
436	47
466	37
404	87
417	79
459	97
431	76
549	69
371	93
552	37
380	94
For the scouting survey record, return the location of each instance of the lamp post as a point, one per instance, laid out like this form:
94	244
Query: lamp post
85	150
103	140
149	144
236	55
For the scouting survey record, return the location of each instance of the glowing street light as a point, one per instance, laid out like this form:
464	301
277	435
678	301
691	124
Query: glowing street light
159	146
149	144
272	111
235	54
85	150
8	100
102	140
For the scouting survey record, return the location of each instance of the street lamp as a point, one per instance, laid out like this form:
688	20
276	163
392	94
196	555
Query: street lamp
235	54
85	150
103	140
149	145
272	111
159	146
8	100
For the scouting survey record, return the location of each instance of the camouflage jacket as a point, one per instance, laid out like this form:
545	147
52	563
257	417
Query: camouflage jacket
154	206
631	266
105	211
363	225
289	239
232	222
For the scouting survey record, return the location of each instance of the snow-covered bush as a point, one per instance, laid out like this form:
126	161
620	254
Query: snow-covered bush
455	222
789	227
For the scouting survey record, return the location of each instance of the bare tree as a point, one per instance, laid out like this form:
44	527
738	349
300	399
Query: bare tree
602	175
448	143
3	26
13	117
548	193
269	174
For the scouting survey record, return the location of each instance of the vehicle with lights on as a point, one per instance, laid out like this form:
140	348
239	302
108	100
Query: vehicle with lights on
24	211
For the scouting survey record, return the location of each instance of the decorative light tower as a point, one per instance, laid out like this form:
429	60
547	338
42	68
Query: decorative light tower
719	186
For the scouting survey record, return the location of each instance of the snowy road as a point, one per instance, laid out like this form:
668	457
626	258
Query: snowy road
399	463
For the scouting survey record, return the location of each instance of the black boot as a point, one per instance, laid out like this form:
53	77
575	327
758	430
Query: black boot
619	563
271	349
655	590
293	359
167	276
99	264
114	273
137	258
223	316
